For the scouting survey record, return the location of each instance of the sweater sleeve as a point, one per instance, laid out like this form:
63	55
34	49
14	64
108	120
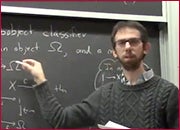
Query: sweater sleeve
172	109
77	115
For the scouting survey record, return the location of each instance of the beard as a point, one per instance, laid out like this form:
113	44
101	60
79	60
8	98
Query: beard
133	63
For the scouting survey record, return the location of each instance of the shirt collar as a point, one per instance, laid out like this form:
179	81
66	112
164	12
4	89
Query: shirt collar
147	75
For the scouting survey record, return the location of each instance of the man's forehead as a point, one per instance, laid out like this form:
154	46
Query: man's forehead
127	29
127	32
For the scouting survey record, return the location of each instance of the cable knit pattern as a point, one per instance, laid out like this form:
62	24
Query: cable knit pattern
147	107
105	108
163	93
118	106
152	104
138	106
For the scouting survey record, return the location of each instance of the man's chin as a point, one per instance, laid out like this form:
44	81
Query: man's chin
130	66
128	62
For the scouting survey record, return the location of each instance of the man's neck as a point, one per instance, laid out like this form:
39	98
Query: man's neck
133	75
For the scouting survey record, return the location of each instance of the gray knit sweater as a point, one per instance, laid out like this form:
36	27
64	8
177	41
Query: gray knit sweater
153	104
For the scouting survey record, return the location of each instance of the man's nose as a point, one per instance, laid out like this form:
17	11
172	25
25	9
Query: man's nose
127	45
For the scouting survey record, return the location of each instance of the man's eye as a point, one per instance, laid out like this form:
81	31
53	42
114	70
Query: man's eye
121	42
134	41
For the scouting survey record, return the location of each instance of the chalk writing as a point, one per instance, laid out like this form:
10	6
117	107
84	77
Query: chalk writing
53	47
109	51
9	124
57	47
24	86
63	34
99	51
26	49
58	88
12	66
24	110
84	51
16	32
4	49
8	99
21	124
129	2
12	85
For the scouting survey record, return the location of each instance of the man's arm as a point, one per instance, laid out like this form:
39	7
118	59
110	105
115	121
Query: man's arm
75	116
172	109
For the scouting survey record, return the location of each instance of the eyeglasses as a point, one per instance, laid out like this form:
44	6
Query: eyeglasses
132	41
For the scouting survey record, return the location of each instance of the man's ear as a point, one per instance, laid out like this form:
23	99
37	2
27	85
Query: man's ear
114	54
147	47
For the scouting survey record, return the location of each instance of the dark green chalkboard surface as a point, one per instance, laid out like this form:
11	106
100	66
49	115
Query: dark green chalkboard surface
76	57
118	7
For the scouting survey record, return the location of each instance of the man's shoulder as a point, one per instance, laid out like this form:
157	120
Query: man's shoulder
165	84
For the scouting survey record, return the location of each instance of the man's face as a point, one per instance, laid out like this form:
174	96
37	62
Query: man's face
129	48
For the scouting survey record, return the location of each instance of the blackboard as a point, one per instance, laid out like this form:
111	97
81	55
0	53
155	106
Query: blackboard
76	56
123	7
119	10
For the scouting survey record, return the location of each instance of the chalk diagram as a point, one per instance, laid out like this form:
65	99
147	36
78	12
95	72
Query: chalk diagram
108	70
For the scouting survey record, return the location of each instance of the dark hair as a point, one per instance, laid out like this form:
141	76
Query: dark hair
130	24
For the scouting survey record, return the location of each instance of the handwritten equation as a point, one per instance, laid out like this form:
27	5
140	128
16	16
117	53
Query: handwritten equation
23	110
69	49
56	46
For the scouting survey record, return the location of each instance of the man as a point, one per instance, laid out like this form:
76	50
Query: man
139	100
